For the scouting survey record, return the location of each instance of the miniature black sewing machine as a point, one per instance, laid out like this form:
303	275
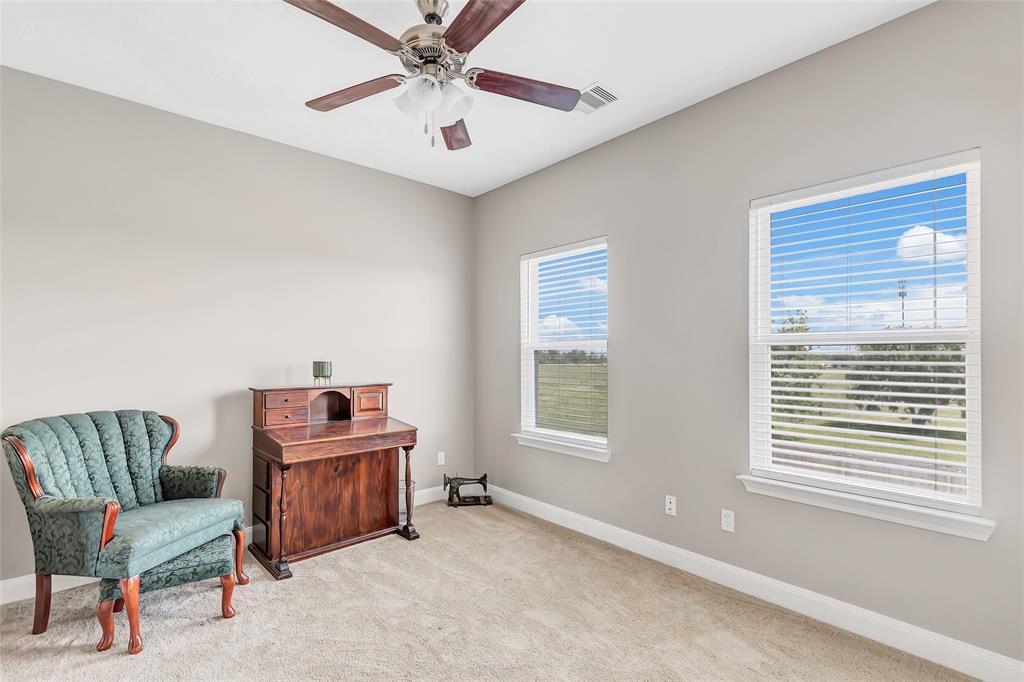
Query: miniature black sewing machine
457	500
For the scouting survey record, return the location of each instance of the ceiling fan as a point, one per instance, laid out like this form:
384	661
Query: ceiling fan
434	57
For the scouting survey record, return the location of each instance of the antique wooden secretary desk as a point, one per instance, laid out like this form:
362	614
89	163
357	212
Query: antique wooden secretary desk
325	471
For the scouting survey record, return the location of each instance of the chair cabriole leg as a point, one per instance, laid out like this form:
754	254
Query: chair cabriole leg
227	584
240	575
42	615
105	615
130	590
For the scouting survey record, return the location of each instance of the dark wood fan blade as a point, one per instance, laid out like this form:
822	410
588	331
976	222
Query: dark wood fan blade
352	94
331	13
456	136
538	92
476	20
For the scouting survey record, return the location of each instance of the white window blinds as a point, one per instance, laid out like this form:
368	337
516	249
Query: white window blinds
865	335
564	343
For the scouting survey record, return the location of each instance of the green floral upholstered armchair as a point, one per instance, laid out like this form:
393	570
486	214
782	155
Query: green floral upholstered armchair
102	502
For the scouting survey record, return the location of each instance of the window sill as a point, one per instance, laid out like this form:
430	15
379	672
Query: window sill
566	447
952	523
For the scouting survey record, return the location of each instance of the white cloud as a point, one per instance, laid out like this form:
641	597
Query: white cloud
558	326
923	243
924	308
801	302
593	283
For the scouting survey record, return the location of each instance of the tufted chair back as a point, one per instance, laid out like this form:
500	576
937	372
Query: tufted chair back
99	454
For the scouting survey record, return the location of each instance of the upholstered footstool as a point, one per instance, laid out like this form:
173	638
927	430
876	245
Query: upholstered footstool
212	560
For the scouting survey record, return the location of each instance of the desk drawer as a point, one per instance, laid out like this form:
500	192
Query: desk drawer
370	401
285	399
260	473
260	535
260	505
285	416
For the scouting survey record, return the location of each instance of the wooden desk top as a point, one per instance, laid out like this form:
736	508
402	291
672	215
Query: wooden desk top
330	439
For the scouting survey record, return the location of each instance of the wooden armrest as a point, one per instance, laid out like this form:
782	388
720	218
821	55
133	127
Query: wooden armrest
26	464
110	511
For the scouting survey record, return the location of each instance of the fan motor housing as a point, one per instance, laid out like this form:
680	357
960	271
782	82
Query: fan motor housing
425	41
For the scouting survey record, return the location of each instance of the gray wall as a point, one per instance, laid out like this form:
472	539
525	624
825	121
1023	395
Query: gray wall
673	199
151	261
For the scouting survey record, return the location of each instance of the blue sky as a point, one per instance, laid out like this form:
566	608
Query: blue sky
844	262
573	296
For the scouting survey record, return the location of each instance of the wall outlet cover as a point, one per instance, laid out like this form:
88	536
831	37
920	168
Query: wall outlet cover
440	458
670	505
728	521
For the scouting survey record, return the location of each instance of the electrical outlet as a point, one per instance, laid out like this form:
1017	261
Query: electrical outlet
670	505
728	521
440	458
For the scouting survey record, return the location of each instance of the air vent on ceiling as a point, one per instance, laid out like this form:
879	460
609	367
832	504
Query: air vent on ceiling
593	98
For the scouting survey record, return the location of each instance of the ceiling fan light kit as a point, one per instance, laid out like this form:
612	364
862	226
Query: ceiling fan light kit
422	94
434	57
455	105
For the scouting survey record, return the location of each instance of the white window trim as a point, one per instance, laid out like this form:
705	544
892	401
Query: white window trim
938	520
594	449
963	520
563	442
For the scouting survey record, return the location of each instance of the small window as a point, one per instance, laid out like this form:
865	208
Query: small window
564	349
865	364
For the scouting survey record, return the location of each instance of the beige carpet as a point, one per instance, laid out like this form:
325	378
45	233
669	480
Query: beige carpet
486	593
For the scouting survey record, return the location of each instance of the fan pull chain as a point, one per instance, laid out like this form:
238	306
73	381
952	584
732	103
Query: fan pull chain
432	142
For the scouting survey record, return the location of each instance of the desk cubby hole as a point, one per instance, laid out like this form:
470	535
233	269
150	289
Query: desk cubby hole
329	406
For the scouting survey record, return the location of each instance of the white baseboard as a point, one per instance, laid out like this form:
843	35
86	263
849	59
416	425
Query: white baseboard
428	495
24	586
952	653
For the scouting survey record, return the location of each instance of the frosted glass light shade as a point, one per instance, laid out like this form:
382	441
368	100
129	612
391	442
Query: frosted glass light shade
421	95
455	104
405	104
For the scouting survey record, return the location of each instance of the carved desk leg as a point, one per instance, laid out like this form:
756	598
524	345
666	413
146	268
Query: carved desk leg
42	615
282	562
105	615
227	584
408	531
130	590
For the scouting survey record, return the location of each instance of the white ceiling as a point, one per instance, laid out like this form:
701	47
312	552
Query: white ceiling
250	66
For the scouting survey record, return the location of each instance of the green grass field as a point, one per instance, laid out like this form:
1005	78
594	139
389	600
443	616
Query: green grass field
573	397
811	433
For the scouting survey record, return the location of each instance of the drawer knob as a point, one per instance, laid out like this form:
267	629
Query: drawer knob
287	416
287	400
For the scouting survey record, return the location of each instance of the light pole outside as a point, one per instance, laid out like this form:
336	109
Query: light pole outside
901	288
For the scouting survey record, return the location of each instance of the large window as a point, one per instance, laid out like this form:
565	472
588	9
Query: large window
564	349
865	335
